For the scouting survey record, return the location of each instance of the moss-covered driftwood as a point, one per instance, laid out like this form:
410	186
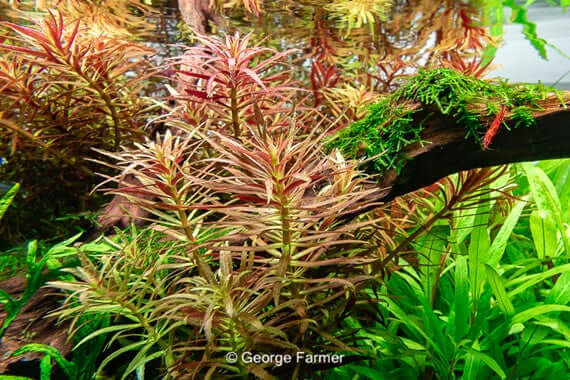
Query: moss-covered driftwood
440	122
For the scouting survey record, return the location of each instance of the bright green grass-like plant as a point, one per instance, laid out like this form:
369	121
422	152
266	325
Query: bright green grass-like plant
42	263
487	298
40	267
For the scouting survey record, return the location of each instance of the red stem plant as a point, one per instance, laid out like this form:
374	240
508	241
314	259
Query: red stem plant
68	77
258	251
67	86
248	247
254	249
219	82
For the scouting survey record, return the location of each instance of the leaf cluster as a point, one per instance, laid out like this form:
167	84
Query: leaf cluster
66	87
220	82
485	298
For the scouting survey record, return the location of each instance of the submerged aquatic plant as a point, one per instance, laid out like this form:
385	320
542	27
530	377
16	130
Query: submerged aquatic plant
244	234
219	82
65	87
239	255
355	14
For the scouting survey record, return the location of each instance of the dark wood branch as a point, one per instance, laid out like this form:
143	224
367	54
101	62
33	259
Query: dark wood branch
450	152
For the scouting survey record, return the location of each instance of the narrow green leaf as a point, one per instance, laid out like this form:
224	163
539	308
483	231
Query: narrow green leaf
119	352
412	324
472	365
560	176
45	368
479	249
546	198
533	312
499	244
560	292
463	225
543	230
140	360
31	254
107	330
496	283
556	342
68	367
5	297
489	361
431	249
461	303
7	199
519	16
533	279
434	327
516	328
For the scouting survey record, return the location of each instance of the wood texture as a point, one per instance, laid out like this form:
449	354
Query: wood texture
198	14
450	152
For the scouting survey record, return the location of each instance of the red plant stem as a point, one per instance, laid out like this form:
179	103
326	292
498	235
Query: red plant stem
203	267
234	109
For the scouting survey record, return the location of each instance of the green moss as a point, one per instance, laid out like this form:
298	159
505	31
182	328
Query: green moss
522	116
390	124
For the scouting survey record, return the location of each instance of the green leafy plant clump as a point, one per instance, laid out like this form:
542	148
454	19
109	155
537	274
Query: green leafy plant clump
398	120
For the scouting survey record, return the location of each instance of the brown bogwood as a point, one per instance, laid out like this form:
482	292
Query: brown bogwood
448	151
198	14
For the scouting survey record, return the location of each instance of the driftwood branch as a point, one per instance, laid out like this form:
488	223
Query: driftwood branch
449	151
198	14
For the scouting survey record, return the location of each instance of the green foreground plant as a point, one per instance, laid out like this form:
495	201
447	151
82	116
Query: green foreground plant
488	298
